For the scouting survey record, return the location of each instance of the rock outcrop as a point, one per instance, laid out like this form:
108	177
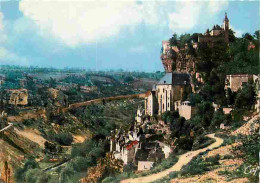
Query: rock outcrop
58	97
17	97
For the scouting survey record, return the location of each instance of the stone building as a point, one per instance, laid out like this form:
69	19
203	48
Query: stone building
150	103
172	87
185	109
236	81
139	114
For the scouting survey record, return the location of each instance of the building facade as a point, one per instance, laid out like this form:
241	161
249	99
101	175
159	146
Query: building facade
172	87
185	109
236	81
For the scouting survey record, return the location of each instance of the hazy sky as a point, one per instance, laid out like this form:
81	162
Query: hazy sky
108	35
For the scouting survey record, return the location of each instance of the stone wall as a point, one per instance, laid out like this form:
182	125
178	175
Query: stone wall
100	100
150	103
144	165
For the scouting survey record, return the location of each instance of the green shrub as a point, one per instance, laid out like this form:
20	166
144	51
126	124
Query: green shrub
81	163
109	180
214	160
202	141
32	175
64	138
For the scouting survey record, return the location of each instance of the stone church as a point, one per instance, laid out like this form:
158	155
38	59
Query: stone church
171	88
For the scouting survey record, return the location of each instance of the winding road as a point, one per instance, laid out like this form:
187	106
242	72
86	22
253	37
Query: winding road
183	160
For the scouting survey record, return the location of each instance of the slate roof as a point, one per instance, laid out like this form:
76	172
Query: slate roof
216	27
175	78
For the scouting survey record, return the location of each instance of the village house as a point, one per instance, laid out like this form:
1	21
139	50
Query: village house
139	115
185	109
132	146
227	110
236	81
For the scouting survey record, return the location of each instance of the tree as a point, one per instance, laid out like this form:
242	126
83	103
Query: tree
191	51
257	34
218	118
64	138
194	98
230	97
245	97
184	38
248	36
232	37
170	116
174	40
128	79
204	62
206	111
194	37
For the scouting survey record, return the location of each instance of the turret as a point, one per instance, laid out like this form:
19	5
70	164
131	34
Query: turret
226	28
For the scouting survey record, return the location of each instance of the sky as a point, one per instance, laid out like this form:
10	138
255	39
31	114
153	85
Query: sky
108	35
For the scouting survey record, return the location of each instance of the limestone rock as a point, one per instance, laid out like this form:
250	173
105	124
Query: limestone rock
18	97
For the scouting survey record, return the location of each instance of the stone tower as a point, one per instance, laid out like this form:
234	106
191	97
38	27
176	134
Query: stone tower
226	28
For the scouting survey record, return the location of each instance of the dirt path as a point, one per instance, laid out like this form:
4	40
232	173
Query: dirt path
183	160
7	127
33	135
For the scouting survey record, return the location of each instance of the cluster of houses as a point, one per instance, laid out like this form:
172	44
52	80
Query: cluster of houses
140	144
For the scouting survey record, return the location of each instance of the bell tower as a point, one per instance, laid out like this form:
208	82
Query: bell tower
226	28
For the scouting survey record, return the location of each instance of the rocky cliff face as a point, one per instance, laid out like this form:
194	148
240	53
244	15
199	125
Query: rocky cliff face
6	174
58	97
